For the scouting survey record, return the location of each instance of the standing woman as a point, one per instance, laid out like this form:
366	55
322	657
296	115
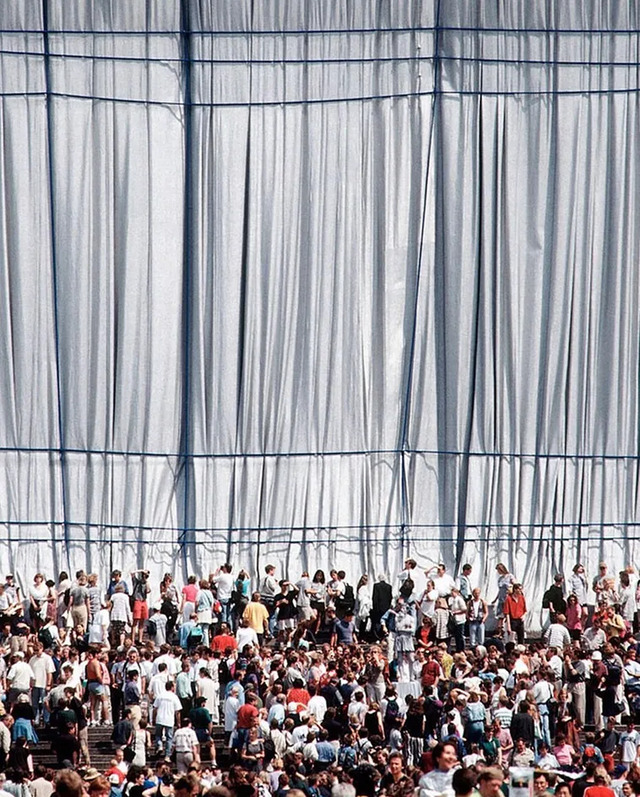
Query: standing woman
204	610
363	605
170	601
576	615
514	609
477	615
505	581
318	597
38	595
189	597
242	594
474	717
52	603
414	728
627	600
441	625
427	602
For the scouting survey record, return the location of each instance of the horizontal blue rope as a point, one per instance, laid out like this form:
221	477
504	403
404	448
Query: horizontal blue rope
218	61
324	61
327	31
326	100
313	454
347	527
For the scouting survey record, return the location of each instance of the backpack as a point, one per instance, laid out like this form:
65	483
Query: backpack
152	628
195	637
46	637
406	590
169	609
393	709
348	600
347	757
269	750
614	674
224	673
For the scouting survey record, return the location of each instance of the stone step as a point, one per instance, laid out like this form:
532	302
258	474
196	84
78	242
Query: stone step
101	748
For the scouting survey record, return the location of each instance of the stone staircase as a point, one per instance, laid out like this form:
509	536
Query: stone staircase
101	748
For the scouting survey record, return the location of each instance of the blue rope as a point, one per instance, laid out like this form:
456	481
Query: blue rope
346	526
329	31
435	452
54	276
187	265
519	62
542	93
406	409
226	532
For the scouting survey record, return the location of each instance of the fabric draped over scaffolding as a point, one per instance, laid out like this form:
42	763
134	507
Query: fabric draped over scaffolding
319	284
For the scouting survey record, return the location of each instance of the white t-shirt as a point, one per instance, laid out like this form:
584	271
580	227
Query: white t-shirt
158	685
20	675
41	665
444	584
246	636
629	742
166	705
224	582
317	707
185	740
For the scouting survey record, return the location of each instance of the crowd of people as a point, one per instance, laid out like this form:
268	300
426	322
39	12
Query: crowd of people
417	685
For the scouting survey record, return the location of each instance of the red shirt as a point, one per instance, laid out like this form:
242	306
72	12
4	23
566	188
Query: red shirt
222	642
298	696
429	673
247	716
515	606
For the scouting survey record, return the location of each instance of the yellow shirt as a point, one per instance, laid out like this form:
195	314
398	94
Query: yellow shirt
256	614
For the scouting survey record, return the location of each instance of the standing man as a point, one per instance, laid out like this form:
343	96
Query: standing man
443	582
223	580
79	603
187	747
381	598
167	708
578	584
257	615
465	583
43	669
20	679
458	609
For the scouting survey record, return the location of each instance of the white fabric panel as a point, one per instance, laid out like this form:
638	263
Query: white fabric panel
263	296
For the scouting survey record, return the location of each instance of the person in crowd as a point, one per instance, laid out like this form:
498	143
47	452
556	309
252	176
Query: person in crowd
514	610
140	590
505	581
477	614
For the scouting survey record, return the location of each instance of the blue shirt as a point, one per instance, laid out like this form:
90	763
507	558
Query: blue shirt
344	631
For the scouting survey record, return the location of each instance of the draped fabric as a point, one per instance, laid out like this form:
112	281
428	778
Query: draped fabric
319	283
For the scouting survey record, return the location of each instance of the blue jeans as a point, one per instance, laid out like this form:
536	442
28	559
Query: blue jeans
225	613
168	738
37	702
476	633
543	710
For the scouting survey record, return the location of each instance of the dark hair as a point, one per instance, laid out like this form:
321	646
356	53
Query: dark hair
464	780
365	779
438	750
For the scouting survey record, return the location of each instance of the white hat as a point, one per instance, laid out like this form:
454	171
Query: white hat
596	655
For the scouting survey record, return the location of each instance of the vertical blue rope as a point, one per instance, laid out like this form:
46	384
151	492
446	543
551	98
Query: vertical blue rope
187	265
406	411
54	278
